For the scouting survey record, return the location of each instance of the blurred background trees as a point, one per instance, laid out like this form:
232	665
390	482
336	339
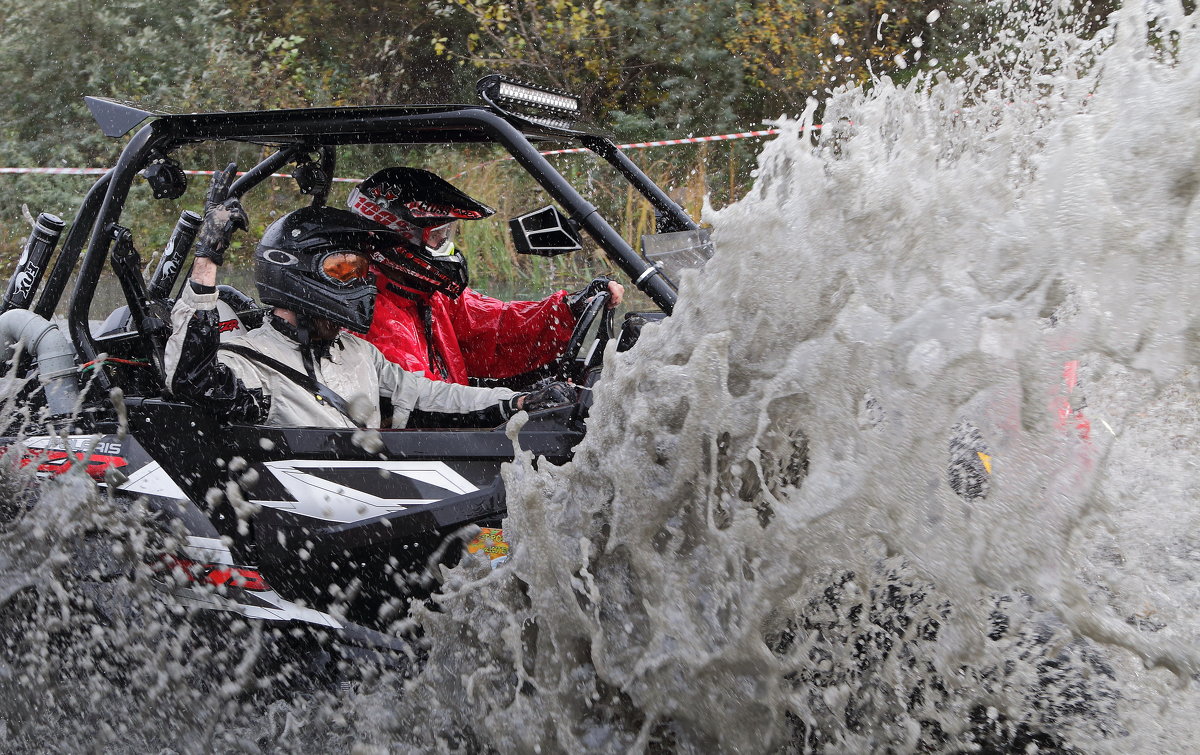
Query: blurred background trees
646	69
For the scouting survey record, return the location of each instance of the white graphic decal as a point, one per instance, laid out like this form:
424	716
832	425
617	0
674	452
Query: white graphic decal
79	443
152	480
350	491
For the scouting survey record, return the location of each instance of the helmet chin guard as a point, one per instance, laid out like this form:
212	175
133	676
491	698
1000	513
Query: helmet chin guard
305	262
424	210
447	275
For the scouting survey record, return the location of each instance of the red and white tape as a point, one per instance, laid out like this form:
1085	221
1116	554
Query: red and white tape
102	171
58	171
644	145
672	142
631	145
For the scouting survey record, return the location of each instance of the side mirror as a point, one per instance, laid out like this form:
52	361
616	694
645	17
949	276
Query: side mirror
545	232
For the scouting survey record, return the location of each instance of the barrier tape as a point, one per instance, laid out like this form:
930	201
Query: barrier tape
576	150
672	142
644	145
58	171
102	171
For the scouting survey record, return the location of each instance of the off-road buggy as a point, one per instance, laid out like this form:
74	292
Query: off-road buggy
282	523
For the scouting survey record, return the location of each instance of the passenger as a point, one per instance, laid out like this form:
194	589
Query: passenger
298	369
426	318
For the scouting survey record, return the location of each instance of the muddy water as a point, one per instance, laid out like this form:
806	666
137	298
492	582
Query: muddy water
912	467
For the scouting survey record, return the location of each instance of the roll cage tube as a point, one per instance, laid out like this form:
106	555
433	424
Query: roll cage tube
644	275
68	254
272	163
121	178
671	217
323	128
264	169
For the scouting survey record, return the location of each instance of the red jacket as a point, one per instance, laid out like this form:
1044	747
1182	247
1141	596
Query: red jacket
474	335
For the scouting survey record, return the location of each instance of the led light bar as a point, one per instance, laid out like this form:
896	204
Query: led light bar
565	123
528	95
541	105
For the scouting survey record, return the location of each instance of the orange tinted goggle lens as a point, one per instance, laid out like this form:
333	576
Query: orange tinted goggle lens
344	267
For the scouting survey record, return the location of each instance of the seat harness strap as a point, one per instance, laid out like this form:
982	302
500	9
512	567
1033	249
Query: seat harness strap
321	392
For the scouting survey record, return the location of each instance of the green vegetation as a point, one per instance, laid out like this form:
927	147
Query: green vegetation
647	69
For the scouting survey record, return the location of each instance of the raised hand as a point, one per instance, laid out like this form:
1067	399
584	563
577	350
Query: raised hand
223	215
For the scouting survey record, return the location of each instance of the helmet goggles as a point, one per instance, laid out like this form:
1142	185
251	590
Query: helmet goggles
345	268
439	239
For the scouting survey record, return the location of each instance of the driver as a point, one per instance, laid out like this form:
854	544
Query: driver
426	318
298	369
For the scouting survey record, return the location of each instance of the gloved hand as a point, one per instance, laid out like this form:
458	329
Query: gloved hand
578	300
551	394
223	215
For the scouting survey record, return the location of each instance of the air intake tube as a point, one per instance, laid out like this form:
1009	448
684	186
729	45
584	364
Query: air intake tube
171	261
34	260
55	357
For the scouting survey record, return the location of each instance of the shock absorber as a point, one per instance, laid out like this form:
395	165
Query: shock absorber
176	251
34	259
150	318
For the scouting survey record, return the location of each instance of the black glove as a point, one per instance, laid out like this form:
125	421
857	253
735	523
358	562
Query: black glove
223	215
578	300
551	394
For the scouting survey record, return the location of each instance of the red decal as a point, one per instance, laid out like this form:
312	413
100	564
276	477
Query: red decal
217	575
57	462
422	209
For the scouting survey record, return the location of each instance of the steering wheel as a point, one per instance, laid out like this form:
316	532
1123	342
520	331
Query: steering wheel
596	305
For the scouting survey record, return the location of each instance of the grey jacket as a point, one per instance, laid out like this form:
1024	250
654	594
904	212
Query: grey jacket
241	390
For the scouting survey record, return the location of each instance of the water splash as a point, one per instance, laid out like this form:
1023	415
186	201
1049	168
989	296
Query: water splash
911	466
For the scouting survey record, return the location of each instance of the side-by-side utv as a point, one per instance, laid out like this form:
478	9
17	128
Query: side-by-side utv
282	522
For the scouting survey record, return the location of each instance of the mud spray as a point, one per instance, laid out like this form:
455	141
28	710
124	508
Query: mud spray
912	468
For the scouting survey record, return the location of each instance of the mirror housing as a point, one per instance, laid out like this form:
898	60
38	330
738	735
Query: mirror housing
545	232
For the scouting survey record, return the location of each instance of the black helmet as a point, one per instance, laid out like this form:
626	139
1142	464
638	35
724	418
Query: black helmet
425	210
314	262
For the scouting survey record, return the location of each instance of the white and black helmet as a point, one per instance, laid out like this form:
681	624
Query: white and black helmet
314	261
424	209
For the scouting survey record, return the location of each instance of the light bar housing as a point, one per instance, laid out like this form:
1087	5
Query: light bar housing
541	105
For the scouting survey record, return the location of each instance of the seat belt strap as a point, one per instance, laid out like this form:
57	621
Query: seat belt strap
321	392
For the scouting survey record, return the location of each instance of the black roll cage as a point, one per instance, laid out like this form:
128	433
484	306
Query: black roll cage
320	130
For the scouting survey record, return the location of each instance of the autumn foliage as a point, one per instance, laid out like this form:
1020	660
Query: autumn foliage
646	69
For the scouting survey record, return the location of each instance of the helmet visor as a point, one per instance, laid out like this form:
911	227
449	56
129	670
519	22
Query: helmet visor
345	268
